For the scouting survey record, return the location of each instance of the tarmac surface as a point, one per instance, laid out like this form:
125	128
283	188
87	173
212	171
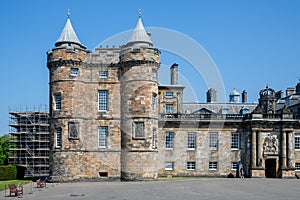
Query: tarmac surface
200	189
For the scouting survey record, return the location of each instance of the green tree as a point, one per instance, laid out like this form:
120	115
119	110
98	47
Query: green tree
4	149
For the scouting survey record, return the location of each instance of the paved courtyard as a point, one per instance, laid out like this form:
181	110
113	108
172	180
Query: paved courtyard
202	189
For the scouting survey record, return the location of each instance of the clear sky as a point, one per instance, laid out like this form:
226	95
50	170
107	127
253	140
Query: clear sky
252	43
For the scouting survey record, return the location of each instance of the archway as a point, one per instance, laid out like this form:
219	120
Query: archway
270	168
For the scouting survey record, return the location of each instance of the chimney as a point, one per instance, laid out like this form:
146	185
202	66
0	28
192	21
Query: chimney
290	91
211	95
244	96
279	94
174	74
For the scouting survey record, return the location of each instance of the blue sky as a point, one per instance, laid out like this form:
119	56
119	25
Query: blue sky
252	43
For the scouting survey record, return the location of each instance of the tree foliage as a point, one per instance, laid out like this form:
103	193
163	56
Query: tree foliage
4	149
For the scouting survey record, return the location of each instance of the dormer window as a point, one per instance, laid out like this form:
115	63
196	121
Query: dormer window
224	111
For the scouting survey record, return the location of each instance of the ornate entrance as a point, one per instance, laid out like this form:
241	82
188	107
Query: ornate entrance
270	168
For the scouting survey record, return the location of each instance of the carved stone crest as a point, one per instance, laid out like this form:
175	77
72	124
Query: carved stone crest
270	144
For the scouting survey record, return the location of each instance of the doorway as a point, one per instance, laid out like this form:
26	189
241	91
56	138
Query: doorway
270	168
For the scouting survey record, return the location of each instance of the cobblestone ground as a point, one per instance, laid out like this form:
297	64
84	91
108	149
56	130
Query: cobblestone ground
201	189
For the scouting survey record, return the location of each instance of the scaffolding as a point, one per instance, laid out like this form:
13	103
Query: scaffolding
29	142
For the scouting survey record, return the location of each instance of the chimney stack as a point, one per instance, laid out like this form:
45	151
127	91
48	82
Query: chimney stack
290	91
174	74
244	96
211	96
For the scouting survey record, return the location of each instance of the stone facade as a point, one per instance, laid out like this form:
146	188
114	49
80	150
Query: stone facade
110	119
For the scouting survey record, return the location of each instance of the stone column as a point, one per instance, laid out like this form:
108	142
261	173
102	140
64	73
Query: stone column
253	149
290	154
259	146
283	149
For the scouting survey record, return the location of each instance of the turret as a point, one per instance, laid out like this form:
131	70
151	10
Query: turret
65	64
139	117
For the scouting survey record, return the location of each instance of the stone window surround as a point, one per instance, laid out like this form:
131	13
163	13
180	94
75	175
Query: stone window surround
138	126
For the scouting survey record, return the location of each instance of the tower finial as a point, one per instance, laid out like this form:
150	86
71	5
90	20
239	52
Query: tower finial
69	14
140	13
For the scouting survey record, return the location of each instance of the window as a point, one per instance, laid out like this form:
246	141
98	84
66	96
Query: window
58	138
297	166
153	103
235	141
74	71
154	139
234	166
191	165
297	141
213	165
74	130
169	109
224	111
103	74
191	140
213	141
102	136
169	140
103	100
153	73
57	101
139	130
169	94
169	166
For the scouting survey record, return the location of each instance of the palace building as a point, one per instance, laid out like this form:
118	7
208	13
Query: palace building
111	119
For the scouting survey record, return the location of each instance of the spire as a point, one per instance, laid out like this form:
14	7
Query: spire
68	35
139	34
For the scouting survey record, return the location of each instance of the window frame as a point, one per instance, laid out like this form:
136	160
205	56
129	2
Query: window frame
74	71
169	94
103	74
297	166
103	102
58	137
213	166
213	140
103	138
169	109
233	166
169	140
191	141
57	101
169	166
235	142
153	102
297	142
191	165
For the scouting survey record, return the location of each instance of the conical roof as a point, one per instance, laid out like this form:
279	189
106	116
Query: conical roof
139	34
68	35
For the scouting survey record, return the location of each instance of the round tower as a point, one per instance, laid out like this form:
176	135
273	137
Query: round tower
139	62
65	63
